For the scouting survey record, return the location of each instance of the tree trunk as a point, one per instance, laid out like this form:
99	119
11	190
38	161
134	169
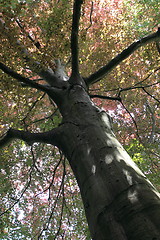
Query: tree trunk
120	203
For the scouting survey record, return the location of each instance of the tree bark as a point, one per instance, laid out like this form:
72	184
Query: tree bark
120	203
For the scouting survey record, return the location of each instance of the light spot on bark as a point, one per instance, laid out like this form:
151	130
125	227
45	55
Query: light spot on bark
156	192
128	176
108	158
94	169
132	196
106	120
111	140
88	151
123	155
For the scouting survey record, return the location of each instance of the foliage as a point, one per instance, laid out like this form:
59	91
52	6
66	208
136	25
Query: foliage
38	191
139	20
145	159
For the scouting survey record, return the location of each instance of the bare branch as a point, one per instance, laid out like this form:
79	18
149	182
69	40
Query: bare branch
133	120
53	92
36	43
74	36
51	137
33	105
51	182
90	16
59	194
63	202
102	72
45	118
150	95
146	78
46	73
22	79
140	87
105	97
22	193
60	71
151	111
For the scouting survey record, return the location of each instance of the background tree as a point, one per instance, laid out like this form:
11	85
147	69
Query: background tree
38	188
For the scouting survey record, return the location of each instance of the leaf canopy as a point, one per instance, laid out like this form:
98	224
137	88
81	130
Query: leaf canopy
31	176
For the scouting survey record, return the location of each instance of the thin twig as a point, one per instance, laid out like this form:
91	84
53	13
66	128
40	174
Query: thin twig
150	94
36	43
137	87
90	17
22	193
137	132
150	74
33	105
48	117
151	111
53	209
105	97
63	200
51	183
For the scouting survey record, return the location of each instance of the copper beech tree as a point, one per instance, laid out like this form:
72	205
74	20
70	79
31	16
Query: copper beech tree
119	202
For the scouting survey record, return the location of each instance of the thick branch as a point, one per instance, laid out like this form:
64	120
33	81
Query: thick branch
46	73
74	35
60	71
102	72
22	79
51	137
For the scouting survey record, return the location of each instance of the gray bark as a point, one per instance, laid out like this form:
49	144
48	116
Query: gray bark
120	203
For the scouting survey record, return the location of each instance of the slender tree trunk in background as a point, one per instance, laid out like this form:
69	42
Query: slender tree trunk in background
120	203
